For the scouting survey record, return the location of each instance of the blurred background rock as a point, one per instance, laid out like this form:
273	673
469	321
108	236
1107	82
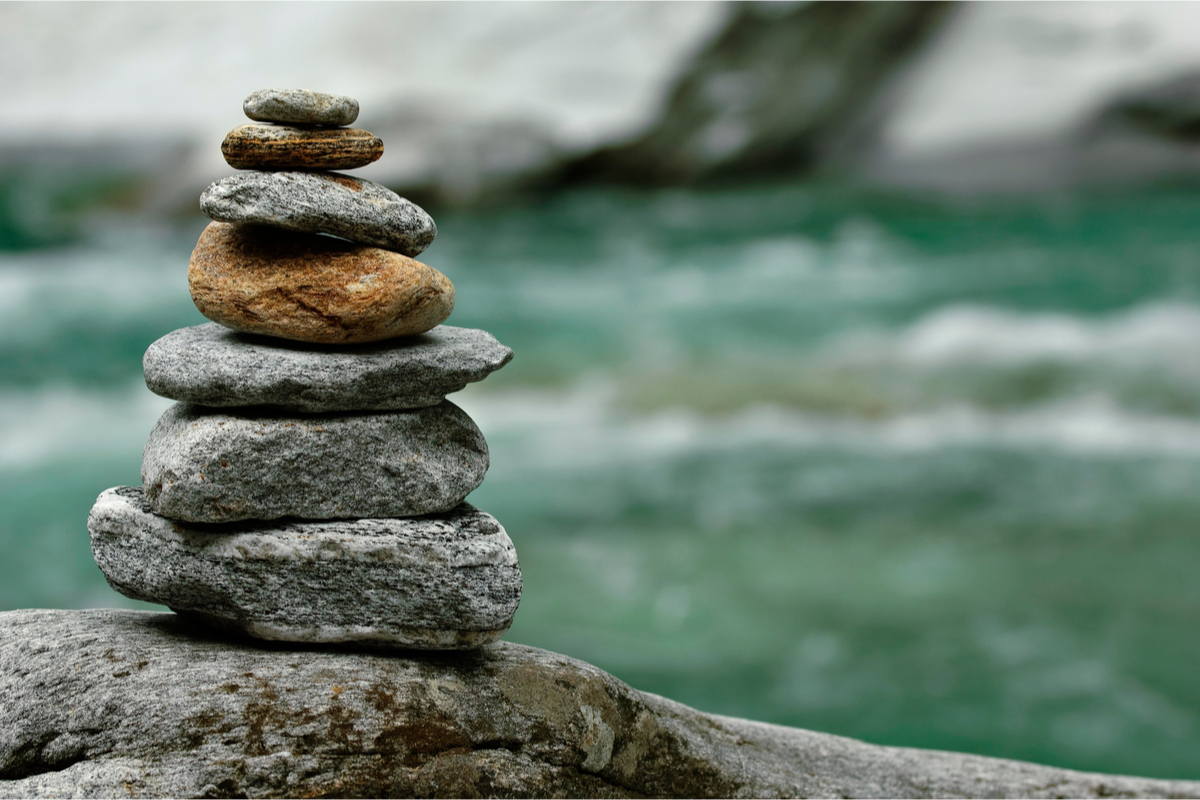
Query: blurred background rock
858	345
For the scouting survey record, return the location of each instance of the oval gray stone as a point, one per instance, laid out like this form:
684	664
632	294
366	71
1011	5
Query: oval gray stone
300	107
322	202
446	581
211	365
203	465
295	147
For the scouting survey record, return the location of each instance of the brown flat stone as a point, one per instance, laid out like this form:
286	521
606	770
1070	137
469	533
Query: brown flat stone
284	147
313	288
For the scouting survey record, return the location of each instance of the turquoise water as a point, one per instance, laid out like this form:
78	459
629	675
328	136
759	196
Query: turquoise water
917	472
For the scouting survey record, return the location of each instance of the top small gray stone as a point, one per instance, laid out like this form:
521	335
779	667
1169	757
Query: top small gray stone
300	107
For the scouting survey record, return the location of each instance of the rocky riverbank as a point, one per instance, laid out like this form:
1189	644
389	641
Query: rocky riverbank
116	703
902	95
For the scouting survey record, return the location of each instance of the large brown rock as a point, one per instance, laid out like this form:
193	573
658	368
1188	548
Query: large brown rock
284	147
313	288
131	704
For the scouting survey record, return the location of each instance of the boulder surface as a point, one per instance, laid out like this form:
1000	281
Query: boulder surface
211	365
203	465
322	202
440	582
123	703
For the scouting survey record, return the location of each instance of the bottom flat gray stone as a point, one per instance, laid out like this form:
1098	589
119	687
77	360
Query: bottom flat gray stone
123	703
446	581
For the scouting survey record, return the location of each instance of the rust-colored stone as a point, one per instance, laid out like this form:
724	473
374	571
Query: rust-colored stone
313	288
284	147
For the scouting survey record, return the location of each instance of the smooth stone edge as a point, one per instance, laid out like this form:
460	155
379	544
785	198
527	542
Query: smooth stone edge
657	747
163	387
403	638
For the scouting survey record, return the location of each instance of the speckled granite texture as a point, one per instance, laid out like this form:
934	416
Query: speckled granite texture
212	365
446	581
204	465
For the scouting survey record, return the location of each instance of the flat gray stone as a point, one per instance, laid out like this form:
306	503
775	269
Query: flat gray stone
322	202
212	365
440	582
120	703
203	465
300	107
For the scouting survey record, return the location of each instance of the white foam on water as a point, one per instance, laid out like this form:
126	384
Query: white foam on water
1154	333
56	423
587	422
585	427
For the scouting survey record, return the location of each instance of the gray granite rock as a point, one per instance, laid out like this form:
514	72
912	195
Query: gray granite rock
300	107
203	465
125	703
439	582
322	202
211	365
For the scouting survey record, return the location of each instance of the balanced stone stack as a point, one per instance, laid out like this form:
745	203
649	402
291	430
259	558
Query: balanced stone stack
309	484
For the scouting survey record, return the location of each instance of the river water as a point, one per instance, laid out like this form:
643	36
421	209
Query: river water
916	472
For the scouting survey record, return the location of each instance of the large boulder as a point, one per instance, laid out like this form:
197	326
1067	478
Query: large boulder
781	90
122	703
211	365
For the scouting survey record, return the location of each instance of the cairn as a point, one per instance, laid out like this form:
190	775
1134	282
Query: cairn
308	486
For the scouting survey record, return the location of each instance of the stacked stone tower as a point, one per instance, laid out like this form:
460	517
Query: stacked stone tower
308	486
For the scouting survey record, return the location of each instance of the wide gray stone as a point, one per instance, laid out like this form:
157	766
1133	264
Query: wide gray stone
212	365
123	703
322	202
203	465
312	288
300	107
444	581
